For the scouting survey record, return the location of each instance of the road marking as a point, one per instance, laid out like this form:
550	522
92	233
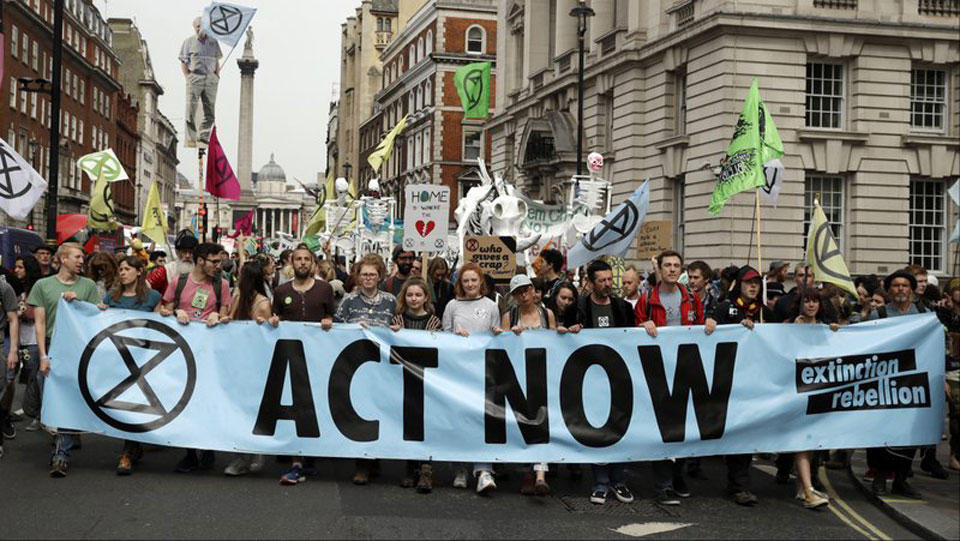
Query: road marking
642	529
822	474
894	500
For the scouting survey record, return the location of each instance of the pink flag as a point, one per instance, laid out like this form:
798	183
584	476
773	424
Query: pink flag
221	182
243	226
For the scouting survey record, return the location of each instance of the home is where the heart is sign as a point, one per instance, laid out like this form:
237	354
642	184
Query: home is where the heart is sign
427	209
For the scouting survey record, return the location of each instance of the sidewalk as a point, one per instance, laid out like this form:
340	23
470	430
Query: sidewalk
937	515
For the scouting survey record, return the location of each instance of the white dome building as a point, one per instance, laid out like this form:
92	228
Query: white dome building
281	207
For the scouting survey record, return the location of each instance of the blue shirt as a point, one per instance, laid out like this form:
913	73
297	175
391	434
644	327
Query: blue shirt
130	303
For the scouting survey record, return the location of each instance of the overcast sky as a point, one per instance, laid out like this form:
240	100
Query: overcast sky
298	45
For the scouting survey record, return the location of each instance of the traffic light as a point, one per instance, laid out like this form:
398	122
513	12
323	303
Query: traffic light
217	231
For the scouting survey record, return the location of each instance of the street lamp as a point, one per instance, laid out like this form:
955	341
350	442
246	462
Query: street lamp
581	12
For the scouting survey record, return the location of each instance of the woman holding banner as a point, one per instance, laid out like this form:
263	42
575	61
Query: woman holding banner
129	291
471	312
529	314
415	311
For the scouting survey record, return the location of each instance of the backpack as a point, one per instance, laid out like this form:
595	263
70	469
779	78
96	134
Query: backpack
182	283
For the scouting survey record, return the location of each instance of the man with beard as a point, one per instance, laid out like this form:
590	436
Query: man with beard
302	299
403	259
161	276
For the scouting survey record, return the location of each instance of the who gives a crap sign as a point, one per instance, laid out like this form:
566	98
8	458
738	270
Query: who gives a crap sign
426	217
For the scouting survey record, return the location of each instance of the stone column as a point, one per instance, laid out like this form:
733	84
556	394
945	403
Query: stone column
248	65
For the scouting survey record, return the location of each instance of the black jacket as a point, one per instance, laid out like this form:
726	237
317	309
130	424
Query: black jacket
621	309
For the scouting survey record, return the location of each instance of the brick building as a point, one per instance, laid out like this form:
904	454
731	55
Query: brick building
437	145
127	142
88	95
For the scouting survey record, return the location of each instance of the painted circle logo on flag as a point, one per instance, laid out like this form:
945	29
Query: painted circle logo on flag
137	375
8	164
95	163
225	20
614	230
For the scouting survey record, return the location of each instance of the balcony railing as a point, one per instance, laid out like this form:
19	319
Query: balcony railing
383	39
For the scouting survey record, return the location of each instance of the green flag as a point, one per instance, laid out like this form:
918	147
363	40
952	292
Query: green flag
755	142
100	215
473	86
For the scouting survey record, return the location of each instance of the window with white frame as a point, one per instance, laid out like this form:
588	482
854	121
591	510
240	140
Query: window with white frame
928	99
824	95
23	101
428	94
928	219
410	104
426	146
829	190
35	56
419	99
83	91
606	105
472	144
14	39
413	55
76	87
33	106
417	145
475	38
24	48
409	157
420	50
680	103
80	131
429	43
13	92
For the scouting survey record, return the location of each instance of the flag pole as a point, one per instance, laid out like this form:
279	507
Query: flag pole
763	282
200	187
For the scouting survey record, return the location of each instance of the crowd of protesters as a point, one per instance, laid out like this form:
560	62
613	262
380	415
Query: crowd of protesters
203	283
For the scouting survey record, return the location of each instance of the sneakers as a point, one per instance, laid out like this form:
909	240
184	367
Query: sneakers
801	495
425	481
813	499
680	487
934	468
58	470
598	497
9	431
256	463
460	479
623	493
125	465
33	426
902	488
239	466
188	463
485	483
293	476
541	488
745	498
667	497
878	486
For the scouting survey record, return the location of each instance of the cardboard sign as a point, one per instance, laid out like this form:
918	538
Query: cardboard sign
655	236
426	217
495	255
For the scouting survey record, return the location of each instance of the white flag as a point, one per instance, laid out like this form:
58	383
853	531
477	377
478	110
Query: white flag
20	185
773	174
954	192
226	22
106	160
614	234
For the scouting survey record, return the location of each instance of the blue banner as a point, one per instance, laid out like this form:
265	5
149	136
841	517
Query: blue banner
612	395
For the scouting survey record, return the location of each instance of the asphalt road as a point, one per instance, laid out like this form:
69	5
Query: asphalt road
155	502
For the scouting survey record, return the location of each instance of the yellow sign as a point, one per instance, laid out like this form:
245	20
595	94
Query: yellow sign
495	255
655	236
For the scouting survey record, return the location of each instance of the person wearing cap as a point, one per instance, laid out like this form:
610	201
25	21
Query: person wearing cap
670	304
403	264
44	255
528	314
160	277
744	306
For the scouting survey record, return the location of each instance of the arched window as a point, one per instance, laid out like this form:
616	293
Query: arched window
418	102
399	66
426	146
410	108
420	52
475	40
413	56
428	94
429	42
416	150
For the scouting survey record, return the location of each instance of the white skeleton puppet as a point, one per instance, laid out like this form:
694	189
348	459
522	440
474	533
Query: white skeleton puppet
594	194
370	236
493	209
338	217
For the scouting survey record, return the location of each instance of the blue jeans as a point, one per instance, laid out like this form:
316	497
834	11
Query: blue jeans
605	475
63	444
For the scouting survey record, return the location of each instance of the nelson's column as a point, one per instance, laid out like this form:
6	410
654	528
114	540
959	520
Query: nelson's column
248	65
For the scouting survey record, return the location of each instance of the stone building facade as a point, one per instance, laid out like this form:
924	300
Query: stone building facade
437	145
865	94
156	158
89	87
125	146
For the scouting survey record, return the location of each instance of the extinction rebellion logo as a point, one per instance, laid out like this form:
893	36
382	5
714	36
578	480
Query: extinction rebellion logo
863	382
137	375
